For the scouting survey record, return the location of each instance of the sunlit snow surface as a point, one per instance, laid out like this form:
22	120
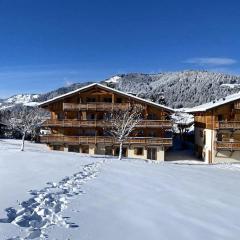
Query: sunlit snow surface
63	196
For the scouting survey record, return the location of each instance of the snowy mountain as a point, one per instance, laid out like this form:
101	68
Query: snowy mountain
175	89
114	79
20	99
179	89
34	99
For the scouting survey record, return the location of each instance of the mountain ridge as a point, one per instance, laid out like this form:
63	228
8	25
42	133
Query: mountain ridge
174	89
180	89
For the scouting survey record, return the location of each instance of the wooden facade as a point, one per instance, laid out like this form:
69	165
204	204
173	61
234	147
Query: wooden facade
217	131
77	123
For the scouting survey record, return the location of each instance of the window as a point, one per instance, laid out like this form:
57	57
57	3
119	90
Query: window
56	147
138	151
118	100
91	99
152	116
109	100
108	150
60	116
152	153
152	134
139	133
79	115
73	148
90	132
220	117
85	149
100	117
219	136
105	133
91	116
124	152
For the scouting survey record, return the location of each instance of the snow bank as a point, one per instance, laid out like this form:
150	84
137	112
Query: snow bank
128	199
27	172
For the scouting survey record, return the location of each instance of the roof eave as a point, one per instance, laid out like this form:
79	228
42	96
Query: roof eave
196	111
46	103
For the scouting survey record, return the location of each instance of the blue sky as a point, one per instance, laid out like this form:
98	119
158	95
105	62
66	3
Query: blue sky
51	43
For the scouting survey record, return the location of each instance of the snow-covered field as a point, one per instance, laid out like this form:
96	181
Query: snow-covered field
59	195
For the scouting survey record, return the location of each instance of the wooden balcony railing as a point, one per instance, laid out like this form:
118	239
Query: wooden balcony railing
98	106
227	125
227	145
101	123
103	139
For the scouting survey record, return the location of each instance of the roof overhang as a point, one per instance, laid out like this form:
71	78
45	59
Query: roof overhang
83	89
214	104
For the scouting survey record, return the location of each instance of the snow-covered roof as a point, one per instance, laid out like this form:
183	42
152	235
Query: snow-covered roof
215	103
106	88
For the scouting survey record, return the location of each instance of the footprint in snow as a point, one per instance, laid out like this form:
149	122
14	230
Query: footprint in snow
44	208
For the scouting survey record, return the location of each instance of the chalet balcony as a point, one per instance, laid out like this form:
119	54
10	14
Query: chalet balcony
98	106
227	145
101	123
227	125
103	139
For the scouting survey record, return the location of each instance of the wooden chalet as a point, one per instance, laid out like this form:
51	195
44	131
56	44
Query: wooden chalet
77	123
217	130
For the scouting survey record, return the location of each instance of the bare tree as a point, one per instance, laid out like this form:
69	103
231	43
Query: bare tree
183	123
25	120
120	123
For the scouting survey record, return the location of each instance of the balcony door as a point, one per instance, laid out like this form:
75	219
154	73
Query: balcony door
220	117
152	153
124	152
74	148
